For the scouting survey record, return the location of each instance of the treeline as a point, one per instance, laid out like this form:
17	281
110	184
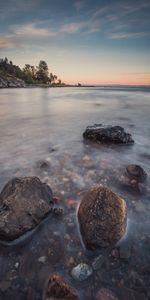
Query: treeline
30	74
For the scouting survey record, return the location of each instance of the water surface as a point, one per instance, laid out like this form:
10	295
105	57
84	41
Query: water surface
46	124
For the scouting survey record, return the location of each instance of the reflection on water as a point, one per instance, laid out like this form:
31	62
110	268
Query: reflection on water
47	125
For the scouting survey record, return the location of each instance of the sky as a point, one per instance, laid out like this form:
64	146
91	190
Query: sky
91	42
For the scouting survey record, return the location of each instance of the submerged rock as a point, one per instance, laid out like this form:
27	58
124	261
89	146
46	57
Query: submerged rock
102	218
58	288
81	272
136	172
24	203
107	134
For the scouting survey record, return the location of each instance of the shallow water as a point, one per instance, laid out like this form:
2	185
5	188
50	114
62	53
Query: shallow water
43	124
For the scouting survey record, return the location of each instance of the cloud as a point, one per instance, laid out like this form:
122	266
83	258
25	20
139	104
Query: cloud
31	30
7	42
127	35
72	27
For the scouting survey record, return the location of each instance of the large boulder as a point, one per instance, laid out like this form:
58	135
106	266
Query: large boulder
24	203
107	134
102	218
58	288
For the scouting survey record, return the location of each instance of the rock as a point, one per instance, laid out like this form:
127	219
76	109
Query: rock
81	272
115	253
55	250
105	294
11	82
42	259
44	165
107	134
58	288
102	218
136	172
24	203
99	261
58	211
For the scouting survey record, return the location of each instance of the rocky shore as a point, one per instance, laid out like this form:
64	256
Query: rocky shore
101	259
11	82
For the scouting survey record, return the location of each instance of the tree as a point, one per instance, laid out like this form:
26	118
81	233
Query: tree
42	72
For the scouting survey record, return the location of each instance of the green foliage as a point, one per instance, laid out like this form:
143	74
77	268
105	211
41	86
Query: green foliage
30	74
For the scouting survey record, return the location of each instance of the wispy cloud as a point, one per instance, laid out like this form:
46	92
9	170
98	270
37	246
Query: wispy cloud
7	42
32	30
72	27
128	35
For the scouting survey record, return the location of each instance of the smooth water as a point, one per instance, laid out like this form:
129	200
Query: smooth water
46	124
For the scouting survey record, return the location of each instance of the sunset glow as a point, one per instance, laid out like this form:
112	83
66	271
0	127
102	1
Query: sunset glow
92	42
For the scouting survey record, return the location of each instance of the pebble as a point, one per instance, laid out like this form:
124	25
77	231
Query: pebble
42	259
81	272
115	253
16	265
98	262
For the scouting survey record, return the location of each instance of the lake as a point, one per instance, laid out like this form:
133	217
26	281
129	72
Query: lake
46	125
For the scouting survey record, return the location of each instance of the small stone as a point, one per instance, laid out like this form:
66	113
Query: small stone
72	204
70	261
58	288
44	165
42	259
105	294
58	211
16	265
98	262
115	253
81	272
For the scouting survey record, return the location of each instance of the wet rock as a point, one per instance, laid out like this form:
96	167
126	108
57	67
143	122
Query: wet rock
43	165
102	218
58	211
105	294
81	272
58	288
99	261
107	134
55	250
115	253
24	203
136	172
42	259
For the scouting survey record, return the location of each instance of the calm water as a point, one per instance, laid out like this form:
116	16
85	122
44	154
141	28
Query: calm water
47	125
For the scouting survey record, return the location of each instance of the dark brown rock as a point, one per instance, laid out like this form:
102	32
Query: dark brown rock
102	217
136	172
107	134
58	288
24	203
